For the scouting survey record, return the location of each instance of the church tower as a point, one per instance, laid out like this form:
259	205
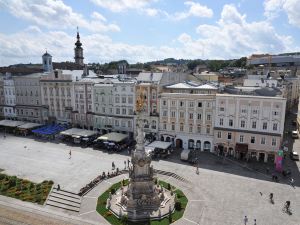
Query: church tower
47	62
78	51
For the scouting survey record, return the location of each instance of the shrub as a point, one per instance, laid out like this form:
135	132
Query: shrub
50	182
124	219
169	186
178	206
112	191
12	181
2	176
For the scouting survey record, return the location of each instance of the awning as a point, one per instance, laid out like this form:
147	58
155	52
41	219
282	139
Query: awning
115	137
243	148
78	133
29	125
11	123
160	144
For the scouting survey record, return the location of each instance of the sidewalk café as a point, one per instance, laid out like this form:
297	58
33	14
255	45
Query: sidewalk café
27	128
159	149
10	125
78	136
115	141
49	131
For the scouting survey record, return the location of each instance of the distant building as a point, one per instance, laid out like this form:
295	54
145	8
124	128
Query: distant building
205	76
2	99
9	107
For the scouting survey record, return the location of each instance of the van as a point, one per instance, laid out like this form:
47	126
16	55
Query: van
295	134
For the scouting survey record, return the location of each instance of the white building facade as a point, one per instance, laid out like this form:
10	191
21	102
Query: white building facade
114	102
57	95
9	109
249	126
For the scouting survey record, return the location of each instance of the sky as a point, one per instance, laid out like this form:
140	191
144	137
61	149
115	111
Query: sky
146	30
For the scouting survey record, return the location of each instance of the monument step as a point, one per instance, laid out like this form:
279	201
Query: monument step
62	206
63	202
170	174
66	194
66	198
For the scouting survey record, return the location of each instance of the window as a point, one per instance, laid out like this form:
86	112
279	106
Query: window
191	104
273	141
116	123
117	99
117	110
243	123
123	88
181	114
265	125
208	104
191	116
173	126
153	95
254	124
181	104
221	121
173	103
129	123
244	110
263	141
123	123
275	113
230	122
164	102
164	126
191	128
165	113
208	116
123	99
252	140
199	116
181	127
219	134
199	104
222	109
255	111
124	111
241	138
199	129
208	129
130	99
229	136
173	114
275	125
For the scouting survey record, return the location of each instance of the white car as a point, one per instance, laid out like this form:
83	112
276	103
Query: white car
294	156
295	134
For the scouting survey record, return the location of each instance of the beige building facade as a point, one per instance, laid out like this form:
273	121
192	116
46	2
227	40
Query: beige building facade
249	126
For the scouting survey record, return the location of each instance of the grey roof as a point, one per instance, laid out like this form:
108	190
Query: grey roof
146	77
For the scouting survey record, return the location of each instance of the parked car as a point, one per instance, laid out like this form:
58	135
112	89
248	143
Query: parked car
295	134
294	156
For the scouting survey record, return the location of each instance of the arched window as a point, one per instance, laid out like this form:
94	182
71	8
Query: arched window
191	144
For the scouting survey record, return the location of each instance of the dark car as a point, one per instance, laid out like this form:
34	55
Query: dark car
294	156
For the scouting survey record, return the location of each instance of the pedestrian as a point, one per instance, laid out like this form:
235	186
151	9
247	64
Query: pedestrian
4	136
58	187
254	221
70	154
128	161
245	220
113	165
125	163
292	182
197	169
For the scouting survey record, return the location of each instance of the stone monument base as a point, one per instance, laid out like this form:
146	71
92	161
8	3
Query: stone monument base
141	213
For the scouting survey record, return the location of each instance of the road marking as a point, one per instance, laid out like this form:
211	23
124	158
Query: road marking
87	212
190	221
89	197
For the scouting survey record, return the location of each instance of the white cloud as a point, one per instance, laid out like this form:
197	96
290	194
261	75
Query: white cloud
53	14
233	36
96	15
122	5
195	9
290	7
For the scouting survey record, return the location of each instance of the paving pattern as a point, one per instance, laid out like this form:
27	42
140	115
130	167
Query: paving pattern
221	194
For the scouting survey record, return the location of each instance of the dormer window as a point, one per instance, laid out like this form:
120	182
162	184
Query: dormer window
56	74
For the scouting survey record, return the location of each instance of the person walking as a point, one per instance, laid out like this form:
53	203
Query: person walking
292	182
113	165
70	154
125	163
255	222
58	187
128	161
245	220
